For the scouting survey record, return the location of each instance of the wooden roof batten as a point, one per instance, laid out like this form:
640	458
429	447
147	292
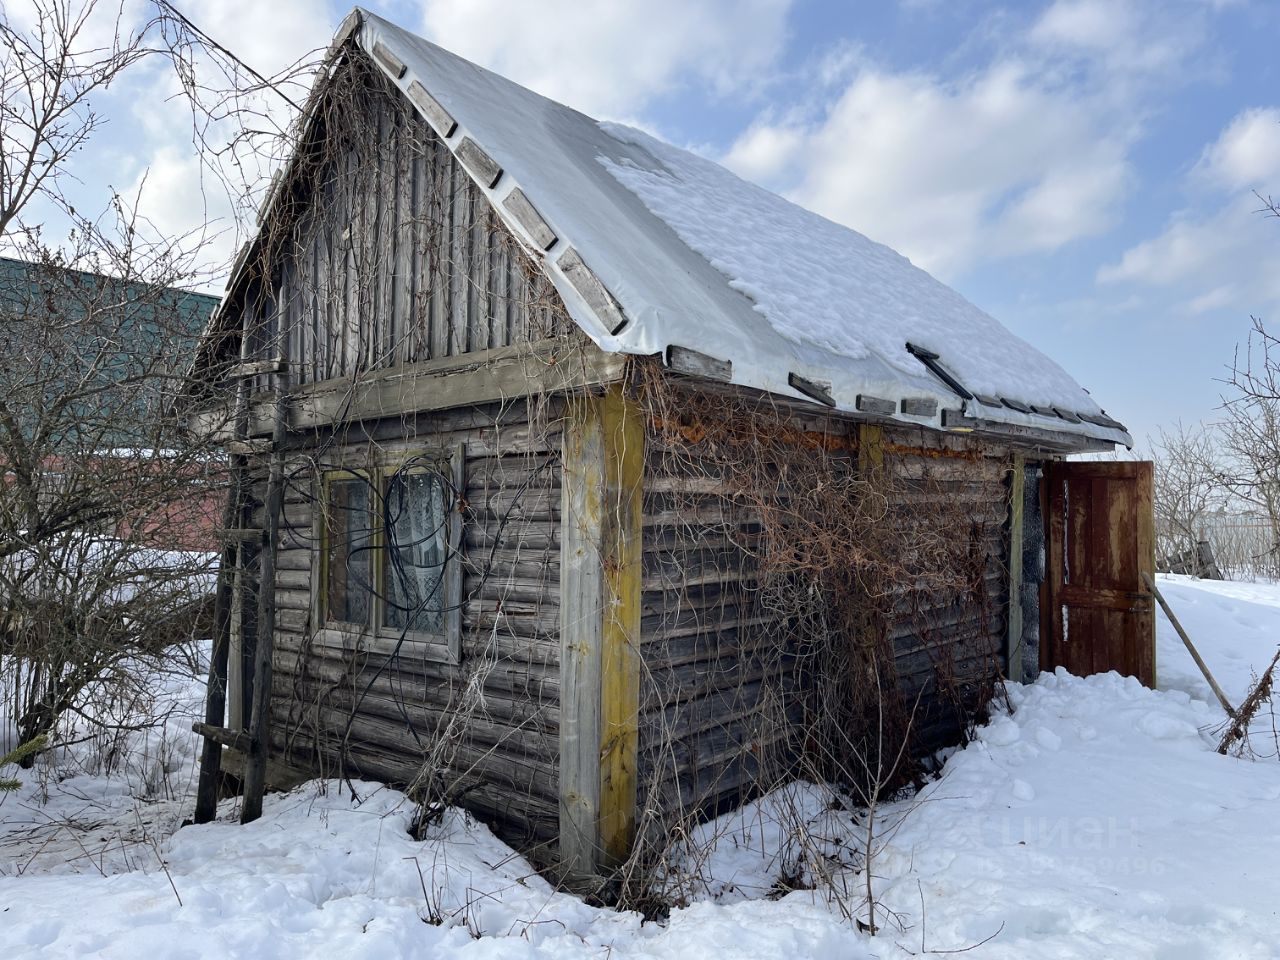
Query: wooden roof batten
971	420
510	202
519	214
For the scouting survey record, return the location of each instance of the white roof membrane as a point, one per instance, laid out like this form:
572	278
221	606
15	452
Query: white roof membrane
651	247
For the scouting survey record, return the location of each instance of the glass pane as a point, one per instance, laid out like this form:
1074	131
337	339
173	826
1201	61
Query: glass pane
350	545
417	546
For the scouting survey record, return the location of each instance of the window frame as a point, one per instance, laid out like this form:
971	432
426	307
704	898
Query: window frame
328	480
448	640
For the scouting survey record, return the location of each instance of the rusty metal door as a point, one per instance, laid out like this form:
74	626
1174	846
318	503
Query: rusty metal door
1096	615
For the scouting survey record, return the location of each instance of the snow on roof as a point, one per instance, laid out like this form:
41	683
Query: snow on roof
652	247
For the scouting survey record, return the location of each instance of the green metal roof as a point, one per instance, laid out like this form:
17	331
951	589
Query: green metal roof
61	328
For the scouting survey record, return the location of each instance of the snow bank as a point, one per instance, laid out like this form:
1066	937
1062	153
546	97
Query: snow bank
118	777
1093	820
326	874
1232	625
1096	820
794	836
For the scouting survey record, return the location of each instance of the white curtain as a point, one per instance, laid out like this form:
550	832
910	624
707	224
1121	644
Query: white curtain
417	536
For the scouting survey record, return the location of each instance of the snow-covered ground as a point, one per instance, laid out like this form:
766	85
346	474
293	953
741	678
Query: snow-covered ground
1094	820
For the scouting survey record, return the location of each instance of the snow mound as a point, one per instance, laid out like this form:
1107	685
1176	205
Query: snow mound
1135	839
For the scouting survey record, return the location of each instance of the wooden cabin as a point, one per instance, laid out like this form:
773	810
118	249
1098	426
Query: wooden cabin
568	466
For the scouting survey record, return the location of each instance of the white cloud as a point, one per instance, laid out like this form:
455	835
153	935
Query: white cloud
1247	154
269	36
950	172
612	57
177	191
1077	198
1219	254
1022	153
1182	249
144	150
766	150
179	201
1224	260
1083	23
95	26
1215	299
1127	36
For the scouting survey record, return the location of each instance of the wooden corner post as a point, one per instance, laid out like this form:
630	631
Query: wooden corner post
1017	504
600	583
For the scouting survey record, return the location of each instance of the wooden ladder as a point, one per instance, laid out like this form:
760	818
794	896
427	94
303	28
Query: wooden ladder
229	603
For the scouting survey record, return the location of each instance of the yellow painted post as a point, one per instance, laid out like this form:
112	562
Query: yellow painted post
870	447
622	542
600	581
581	601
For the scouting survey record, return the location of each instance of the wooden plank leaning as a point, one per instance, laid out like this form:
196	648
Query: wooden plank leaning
1191	648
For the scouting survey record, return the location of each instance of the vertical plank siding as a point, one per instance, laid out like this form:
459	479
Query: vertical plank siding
386	253
1014	647
1096	615
391	254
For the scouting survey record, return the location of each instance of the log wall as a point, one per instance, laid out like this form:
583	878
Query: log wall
381	253
485	730
711	678
722	705
388	254
946	645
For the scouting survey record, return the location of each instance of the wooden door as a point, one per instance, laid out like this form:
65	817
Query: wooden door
1095	613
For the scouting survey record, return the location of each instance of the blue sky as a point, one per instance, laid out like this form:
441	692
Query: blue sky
1082	169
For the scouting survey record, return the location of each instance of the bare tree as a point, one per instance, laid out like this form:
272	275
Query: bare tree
94	337
1251	435
96	479
1270	206
49	75
1249	462
1190	486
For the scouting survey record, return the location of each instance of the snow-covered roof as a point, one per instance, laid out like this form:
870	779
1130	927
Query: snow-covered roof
655	250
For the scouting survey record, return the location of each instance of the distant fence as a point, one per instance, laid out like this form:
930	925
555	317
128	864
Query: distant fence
1244	546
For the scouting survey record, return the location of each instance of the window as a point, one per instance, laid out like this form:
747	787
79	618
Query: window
350	549
415	519
391	542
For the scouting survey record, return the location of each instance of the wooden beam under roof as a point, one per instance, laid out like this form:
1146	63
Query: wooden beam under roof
485	376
